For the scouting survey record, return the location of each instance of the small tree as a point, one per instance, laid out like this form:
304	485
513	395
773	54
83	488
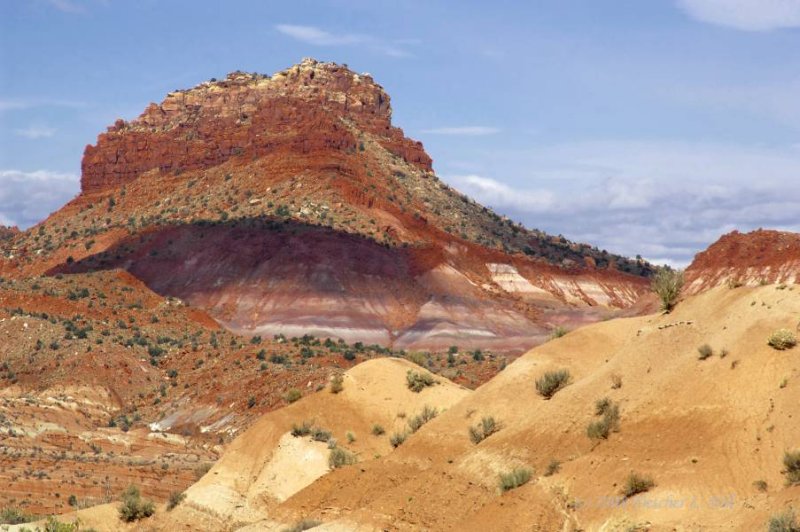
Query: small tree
667	284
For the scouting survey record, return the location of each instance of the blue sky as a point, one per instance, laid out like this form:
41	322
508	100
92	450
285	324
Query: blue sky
644	127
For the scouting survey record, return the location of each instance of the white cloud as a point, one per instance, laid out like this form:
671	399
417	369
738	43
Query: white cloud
15	104
663	200
493	192
319	37
35	132
470	131
27	198
747	15
314	35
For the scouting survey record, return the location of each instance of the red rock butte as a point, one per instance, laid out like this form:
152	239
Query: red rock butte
290	204
252	115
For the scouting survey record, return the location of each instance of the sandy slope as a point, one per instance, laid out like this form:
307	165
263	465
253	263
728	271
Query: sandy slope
705	430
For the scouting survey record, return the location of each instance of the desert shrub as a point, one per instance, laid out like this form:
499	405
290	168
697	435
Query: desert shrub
339	457
761	485
175	498
551	382
791	463
417	380
483	430
320	434
293	395
416	422
337	383
304	429
14	516
704	352
616	381
514	479
667	284
301	526
398	438
420	359
609	421
202	469
636	483
54	525
601	405
558	332
134	507
782	339
378	430
552	468
784	522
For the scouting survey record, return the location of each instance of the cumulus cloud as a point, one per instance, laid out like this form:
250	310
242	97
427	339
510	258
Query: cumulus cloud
35	132
493	192
663	200
27	198
747	15
320	37
469	131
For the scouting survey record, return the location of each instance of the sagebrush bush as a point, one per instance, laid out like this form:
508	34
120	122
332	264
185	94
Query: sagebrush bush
416	422
304	429
761	485
704	352
293	395
320	434
514	479
14	516
609	421
378	430
339	457
601	405
791	463
337	383
552	468
175	498
483	430
636	483
558	332
418	380
398	438
782	339
784	522
134	507
551	382
54	525
667	284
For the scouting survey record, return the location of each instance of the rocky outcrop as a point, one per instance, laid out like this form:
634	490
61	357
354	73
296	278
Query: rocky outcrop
7	233
758	257
304	109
